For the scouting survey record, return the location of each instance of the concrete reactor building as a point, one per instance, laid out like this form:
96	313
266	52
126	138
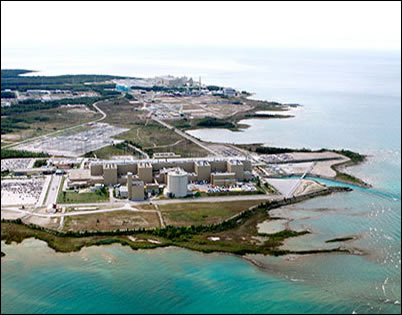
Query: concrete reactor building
177	181
134	190
156	172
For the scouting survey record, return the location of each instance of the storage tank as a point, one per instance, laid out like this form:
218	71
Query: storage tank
177	183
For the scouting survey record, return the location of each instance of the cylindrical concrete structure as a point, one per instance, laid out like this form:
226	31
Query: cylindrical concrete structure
177	183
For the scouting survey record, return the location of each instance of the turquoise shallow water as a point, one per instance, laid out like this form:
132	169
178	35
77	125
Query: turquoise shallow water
114	279
350	100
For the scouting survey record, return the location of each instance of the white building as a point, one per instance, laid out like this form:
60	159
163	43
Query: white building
177	181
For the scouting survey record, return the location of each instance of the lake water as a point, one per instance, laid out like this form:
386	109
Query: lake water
350	100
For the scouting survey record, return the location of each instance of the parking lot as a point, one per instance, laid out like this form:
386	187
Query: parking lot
14	164
21	191
207	188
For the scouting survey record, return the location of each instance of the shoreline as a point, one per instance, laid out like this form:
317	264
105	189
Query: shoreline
17	231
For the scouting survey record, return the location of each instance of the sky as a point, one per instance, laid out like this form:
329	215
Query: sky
328	25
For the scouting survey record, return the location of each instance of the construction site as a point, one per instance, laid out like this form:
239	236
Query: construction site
169	107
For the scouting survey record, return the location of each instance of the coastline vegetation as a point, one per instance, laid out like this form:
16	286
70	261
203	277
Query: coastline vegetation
235	235
213	122
340	239
355	158
268	116
349	178
259	148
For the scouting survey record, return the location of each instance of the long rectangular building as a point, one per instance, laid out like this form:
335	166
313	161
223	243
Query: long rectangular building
150	170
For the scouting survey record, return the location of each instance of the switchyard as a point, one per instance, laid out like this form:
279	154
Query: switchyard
76	144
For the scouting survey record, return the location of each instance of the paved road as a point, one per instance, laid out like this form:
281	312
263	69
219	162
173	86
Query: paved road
139	151
293	190
185	200
53	189
42	196
131	205
126	207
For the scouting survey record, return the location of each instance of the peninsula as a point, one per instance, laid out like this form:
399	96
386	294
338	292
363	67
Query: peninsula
97	159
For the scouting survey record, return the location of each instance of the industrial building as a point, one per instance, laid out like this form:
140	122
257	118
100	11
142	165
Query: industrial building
145	172
110	174
153	174
133	190
177	181
157	170
223	179
203	170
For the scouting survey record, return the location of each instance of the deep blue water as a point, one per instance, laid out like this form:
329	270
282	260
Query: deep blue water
350	100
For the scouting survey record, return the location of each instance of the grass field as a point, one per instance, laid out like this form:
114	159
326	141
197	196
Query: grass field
184	214
160	139
110	151
145	132
75	197
349	178
111	221
121	113
57	118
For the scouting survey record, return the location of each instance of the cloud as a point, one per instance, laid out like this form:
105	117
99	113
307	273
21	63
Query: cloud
356	25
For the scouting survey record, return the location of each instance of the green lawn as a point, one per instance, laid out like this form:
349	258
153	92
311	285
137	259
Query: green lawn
75	197
184	214
110	151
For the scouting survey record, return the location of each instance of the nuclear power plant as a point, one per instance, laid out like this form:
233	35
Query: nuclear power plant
135	177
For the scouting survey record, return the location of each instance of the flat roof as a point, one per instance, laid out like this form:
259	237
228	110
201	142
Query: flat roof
79	174
180	160
177	171
143	163
202	163
224	173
